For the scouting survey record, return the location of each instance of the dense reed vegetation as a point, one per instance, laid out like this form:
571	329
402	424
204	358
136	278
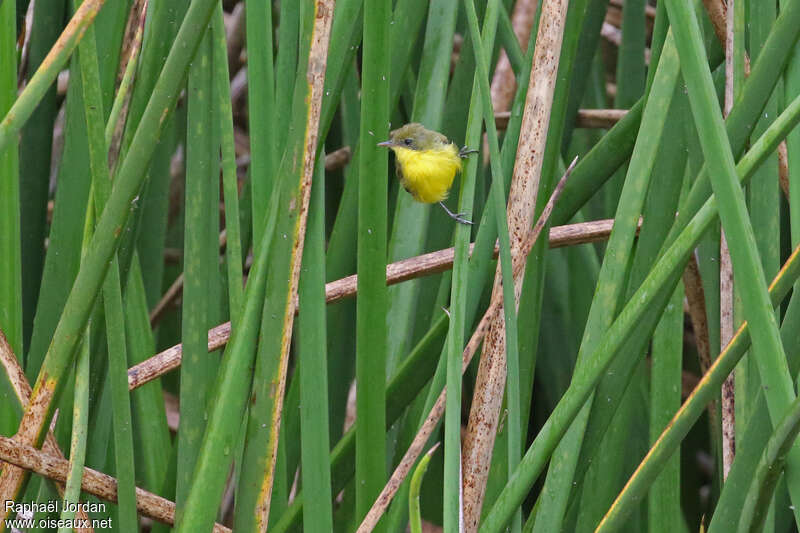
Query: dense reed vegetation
220	310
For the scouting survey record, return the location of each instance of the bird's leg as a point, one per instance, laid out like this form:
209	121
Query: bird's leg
465	151
458	217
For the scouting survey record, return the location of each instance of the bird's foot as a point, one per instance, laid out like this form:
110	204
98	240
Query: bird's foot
465	151
458	217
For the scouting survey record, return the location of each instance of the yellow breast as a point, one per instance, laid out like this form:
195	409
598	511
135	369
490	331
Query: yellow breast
427	174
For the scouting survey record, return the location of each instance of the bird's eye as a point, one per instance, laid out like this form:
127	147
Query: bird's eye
408	142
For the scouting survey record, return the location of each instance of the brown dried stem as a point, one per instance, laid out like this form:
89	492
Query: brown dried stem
490	382
717	13
783	169
94	482
132	47
504	83
22	389
696	300
587	118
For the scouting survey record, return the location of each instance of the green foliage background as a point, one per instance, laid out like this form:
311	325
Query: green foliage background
147	198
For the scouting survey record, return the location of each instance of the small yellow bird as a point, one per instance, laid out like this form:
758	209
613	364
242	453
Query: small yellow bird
426	164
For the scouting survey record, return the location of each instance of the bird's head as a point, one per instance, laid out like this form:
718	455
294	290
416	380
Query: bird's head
414	136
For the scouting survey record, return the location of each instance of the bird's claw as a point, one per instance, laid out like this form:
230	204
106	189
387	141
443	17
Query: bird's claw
465	151
459	217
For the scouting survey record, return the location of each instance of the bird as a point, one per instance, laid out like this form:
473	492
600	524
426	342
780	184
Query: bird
426	163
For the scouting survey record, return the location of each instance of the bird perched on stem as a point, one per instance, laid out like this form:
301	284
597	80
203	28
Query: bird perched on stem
426	164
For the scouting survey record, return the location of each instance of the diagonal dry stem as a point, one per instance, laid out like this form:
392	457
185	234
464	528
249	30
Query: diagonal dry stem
22	389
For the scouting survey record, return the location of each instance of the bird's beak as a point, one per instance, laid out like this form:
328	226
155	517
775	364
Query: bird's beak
386	143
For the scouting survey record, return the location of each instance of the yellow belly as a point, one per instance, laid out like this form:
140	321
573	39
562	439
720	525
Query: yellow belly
427	175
